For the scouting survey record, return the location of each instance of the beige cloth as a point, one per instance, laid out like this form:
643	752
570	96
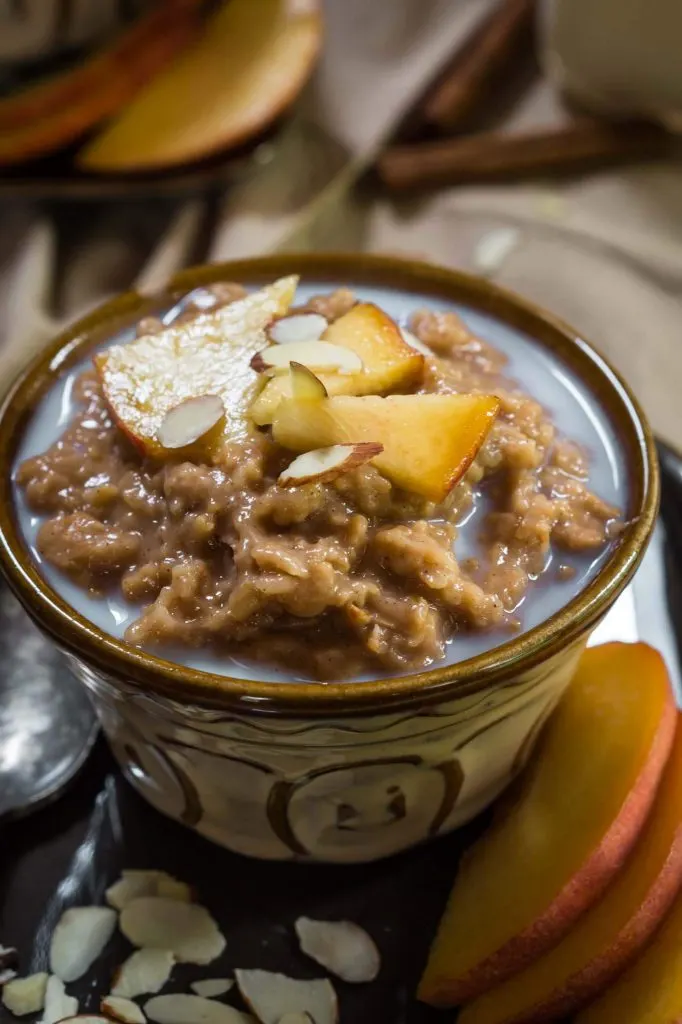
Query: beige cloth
603	251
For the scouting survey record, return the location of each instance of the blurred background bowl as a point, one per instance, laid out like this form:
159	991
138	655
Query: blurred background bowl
104	100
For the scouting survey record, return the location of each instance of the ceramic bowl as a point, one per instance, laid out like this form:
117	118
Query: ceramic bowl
346	771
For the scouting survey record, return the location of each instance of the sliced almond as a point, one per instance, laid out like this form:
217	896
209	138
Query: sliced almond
414	342
316	355
343	948
8	956
25	995
305	386
123	1010
79	938
180	1008
325	464
146	971
58	1005
209	988
190	420
187	929
272	996
297	327
135	883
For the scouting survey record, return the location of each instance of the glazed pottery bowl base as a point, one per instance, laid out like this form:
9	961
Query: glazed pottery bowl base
339	772
343	790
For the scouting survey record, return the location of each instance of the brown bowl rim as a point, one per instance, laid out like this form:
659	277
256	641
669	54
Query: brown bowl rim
150	674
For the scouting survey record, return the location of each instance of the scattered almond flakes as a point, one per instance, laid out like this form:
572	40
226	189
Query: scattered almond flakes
25	995
187	929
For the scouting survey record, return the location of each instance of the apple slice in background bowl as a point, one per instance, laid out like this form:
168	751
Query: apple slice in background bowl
246	68
242	65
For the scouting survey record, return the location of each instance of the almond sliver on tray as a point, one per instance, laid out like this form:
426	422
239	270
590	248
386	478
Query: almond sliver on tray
147	378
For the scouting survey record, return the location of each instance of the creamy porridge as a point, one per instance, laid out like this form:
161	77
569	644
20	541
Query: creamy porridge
383	559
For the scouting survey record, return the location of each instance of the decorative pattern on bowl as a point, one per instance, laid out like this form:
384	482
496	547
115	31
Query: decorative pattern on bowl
343	789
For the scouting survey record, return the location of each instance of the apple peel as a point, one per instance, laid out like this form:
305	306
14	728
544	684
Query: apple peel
556	851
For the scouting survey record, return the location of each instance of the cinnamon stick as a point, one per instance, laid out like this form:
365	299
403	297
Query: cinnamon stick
484	56
499	155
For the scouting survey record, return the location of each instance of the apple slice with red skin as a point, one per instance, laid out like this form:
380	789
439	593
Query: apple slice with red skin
146	379
649	991
577	814
429	441
247	67
608	935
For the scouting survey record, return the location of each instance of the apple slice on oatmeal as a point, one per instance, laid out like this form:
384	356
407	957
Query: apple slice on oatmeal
145	380
428	441
387	361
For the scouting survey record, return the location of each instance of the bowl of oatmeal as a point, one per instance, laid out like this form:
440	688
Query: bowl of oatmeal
324	537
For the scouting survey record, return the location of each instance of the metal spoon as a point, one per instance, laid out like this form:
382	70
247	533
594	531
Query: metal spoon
47	725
